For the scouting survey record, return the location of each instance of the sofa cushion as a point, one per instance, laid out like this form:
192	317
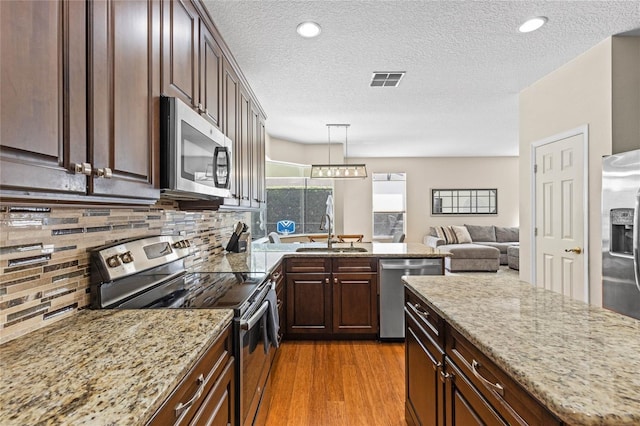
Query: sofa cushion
462	234
504	235
470	251
481	233
500	246
447	234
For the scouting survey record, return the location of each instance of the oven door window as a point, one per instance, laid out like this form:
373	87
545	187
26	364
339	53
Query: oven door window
198	156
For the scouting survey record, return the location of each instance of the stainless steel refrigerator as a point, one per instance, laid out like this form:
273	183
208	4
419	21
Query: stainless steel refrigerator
620	228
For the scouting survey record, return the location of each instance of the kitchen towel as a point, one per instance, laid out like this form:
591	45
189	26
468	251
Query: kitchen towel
273	320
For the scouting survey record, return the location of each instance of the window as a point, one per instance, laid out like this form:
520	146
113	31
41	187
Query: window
297	202
389	204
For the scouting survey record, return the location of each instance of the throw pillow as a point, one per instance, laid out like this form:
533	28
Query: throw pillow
507	235
447	234
482	233
462	234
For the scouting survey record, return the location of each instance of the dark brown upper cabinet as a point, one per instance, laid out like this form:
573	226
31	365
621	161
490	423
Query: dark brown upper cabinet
124	63
210	76
43	99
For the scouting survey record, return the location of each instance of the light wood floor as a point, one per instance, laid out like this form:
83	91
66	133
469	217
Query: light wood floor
338	383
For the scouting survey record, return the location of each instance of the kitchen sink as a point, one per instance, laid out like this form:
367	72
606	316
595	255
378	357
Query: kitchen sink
332	249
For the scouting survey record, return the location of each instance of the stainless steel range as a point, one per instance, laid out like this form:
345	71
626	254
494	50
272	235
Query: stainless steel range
149	273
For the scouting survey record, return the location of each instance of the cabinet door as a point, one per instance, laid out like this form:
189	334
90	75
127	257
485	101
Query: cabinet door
245	136
308	304
465	406
425	390
123	97
355	303
254	151
230	89
180	50
42	96
218	407
210	76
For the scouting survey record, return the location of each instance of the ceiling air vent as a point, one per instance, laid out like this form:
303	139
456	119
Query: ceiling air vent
387	79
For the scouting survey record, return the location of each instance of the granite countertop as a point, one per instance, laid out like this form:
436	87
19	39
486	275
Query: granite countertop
103	367
263	257
581	361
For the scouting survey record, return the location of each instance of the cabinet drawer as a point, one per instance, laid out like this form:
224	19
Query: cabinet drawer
511	401
426	317
198	382
355	264
308	264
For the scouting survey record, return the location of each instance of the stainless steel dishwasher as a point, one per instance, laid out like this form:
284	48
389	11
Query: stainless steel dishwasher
392	291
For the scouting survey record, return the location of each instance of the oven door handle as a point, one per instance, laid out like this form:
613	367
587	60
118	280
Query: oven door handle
249	323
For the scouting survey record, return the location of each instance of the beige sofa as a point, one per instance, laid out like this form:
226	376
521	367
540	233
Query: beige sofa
473	247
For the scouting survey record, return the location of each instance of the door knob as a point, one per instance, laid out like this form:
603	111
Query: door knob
576	250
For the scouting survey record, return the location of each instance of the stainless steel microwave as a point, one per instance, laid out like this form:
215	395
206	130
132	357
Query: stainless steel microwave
195	157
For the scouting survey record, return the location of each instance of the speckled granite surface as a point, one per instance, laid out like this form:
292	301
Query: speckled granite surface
263	257
582	362
103	367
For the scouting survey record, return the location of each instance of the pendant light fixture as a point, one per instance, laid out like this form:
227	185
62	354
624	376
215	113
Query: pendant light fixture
339	171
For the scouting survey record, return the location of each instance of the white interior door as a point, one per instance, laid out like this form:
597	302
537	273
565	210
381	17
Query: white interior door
560	215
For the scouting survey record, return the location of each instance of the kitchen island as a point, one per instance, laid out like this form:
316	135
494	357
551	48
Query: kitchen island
103	367
579	361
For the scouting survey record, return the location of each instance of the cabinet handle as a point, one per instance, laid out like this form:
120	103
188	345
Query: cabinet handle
326	280
445	376
276	276
335	281
81	168
496	386
421	311
182	407
104	173
436	366
200	108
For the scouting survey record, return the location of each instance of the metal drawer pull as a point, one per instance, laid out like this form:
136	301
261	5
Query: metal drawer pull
181	407
496	386
437	366
421	311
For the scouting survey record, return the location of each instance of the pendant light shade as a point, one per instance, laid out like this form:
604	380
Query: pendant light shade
339	171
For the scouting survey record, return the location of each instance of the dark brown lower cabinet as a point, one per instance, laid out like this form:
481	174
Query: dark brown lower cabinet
451	382
424	385
332	298
206	395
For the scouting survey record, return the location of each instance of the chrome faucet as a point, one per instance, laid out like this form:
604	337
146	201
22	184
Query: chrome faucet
326	220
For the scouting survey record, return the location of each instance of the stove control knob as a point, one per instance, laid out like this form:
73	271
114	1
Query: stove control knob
126	257
178	244
113	261
187	243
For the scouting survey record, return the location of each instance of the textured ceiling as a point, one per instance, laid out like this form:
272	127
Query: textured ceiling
465	62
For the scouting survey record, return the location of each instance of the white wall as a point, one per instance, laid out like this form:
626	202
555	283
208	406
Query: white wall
582	92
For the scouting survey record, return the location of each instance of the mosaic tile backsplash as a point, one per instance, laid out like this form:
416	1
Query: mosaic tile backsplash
44	253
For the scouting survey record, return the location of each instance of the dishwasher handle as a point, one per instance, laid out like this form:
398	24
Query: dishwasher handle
403	266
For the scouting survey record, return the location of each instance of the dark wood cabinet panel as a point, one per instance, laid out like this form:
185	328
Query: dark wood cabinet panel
424	389
43	96
465	405
355	303
210	76
230	102
308	304
180	50
335	304
218	407
245	153
123	97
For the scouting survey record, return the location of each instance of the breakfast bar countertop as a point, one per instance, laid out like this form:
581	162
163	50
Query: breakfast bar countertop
263	257
103	367
580	361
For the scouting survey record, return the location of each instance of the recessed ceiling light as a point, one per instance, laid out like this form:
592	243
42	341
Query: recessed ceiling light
308	29
533	24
